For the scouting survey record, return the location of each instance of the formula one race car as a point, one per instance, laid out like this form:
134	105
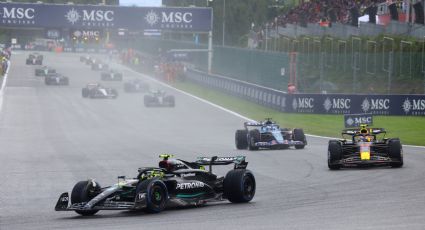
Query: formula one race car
158	99
111	75
365	148
267	134
136	86
56	79
43	71
84	58
89	60
95	90
34	59
99	66
174	183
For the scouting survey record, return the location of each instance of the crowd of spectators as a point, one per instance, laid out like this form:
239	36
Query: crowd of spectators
329	11
4	59
163	67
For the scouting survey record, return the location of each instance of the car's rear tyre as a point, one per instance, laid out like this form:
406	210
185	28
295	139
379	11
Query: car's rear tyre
156	194
85	92
84	191
147	100
114	93
170	100
334	154
395	152
239	186
253	137
241	140
300	136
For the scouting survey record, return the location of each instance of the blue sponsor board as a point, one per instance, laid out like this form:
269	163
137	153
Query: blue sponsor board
91	16
401	105
355	120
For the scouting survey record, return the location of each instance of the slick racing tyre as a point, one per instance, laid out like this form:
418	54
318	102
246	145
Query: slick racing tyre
147	100
395	152
239	186
253	137
300	136
84	191
85	92
114	93
156	194
241	140
170	100
334	154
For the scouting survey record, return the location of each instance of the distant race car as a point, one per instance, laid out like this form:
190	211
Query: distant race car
174	183
84	58
56	79
365	147
95	90
34	59
136	86
111	75
43	71
158	98
267	134
99	66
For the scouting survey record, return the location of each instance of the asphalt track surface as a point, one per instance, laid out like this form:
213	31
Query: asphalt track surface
51	137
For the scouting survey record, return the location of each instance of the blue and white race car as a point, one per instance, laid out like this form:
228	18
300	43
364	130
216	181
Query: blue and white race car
268	134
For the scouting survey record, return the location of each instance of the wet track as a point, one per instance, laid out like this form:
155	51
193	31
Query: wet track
50	138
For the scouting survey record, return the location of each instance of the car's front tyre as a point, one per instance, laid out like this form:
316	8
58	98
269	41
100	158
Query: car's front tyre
334	154
156	194
84	191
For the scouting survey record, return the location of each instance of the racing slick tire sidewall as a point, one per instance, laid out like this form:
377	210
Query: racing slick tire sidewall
253	137
84	191
241	140
300	136
395	152
334	154
115	93
85	92
170	100
239	186
147	100
156	194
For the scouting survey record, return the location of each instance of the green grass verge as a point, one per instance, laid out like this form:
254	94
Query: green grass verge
408	128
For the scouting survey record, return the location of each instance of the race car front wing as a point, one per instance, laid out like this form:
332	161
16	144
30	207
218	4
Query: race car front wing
63	204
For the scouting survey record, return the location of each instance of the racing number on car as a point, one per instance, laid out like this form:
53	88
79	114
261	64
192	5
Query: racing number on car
65	199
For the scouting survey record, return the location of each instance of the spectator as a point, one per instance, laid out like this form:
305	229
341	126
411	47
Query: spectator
291	88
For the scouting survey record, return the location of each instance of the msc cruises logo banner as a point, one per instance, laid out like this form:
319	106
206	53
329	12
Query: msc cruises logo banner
89	16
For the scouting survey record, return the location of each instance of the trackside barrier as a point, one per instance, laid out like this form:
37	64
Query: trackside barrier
401	105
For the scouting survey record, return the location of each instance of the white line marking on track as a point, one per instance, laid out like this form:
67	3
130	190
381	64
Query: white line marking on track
222	108
3	85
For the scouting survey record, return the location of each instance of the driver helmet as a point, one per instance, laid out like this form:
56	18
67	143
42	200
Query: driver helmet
169	165
364	132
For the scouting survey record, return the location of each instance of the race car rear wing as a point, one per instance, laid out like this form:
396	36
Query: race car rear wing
372	131
247	124
239	161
